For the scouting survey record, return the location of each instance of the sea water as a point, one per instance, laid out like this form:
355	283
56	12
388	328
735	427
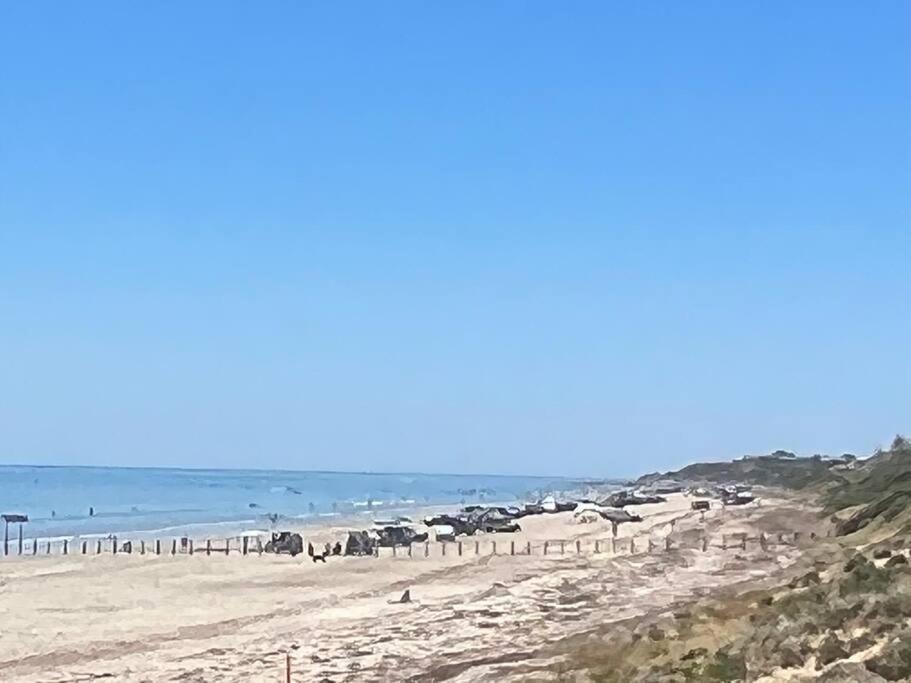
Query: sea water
86	501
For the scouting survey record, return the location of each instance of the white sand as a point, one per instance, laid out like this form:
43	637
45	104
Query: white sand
148	618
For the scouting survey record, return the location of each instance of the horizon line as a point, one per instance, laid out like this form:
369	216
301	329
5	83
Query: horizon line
321	471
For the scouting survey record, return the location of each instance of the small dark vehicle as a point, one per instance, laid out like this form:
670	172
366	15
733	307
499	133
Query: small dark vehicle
359	543
624	498
500	526
391	536
461	524
285	543
738	499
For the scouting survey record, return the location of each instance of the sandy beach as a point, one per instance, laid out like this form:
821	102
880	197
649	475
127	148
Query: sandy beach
473	617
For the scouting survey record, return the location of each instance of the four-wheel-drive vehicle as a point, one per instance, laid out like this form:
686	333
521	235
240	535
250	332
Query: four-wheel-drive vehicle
285	543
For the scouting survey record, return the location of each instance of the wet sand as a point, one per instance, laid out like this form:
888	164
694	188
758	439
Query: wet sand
473	617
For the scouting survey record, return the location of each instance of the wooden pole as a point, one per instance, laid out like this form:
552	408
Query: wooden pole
409	550
287	667
84	547
528	547
705	543
667	542
227	546
20	538
561	547
578	547
208	546
65	547
477	547
142	547
6	537
512	547
632	545
743	542
443	548
114	546
460	548
173	546
493	547
158	546
545	547
35	547
98	547
190	546
426	550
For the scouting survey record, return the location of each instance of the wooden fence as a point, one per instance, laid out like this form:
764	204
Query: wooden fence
502	545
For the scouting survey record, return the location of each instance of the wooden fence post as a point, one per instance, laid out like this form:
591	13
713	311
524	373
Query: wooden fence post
493	547
561	547
84	547
114	546
142	547
477	547
578	547
724	542
393	549
545	547
208	547
528	547
35	547
158	546
287	667
173	546
48	549
244	544
705	543
443	548
667	542
409	550
98	547
227	546
426	550
743	542
512	547
632	545
190	546
65	547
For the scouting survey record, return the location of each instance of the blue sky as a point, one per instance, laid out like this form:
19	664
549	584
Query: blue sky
579	238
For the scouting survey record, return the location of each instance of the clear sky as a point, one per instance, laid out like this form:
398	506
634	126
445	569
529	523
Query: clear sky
541	237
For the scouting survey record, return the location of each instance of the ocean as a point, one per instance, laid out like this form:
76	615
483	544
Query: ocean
66	502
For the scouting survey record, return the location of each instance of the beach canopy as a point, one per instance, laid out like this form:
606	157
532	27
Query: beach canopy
14	519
